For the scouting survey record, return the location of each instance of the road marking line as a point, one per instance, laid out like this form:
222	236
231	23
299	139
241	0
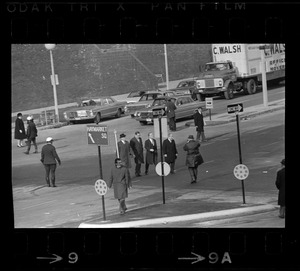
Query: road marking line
38	204
210	161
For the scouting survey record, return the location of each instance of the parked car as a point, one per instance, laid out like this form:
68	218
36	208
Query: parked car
145	101
187	87
95	109
186	107
134	96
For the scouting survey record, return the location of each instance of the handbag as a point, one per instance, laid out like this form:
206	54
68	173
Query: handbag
198	159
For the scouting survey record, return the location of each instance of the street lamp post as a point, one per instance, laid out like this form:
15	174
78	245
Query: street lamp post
50	47
166	65
263	72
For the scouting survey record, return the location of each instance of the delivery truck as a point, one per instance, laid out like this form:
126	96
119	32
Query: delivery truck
237	67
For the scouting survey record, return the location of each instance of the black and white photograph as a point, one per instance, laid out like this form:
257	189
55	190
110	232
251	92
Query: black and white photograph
188	135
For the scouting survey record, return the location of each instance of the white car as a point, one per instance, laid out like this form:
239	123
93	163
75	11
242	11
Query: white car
134	96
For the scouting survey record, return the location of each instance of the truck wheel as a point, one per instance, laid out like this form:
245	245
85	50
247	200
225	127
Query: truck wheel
97	118
202	97
229	92
251	86
143	122
118	113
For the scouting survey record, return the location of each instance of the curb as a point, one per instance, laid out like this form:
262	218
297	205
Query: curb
202	217
242	116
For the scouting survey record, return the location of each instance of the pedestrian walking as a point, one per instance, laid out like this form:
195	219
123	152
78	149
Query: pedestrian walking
124	151
151	152
49	158
120	180
170	152
31	135
280	184
193	157
171	116
20	134
199	124
136	145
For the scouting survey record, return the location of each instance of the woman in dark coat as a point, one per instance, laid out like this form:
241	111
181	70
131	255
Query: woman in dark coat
280	184
193	157
120	179
20	134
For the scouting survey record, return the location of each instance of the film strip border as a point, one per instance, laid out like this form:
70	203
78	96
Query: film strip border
147	21
165	249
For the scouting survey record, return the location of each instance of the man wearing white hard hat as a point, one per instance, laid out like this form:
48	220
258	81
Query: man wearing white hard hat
49	158
31	135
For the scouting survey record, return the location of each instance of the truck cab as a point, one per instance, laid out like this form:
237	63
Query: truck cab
217	78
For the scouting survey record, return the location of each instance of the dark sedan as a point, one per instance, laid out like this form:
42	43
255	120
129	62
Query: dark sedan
186	107
145	101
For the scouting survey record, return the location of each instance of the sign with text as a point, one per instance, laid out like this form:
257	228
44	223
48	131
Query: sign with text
209	103
97	134
232	108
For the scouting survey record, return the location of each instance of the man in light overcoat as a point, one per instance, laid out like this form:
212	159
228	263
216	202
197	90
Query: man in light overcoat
120	179
151	152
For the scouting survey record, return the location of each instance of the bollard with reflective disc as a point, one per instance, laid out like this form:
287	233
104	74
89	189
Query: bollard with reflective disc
101	189
166	169
241	172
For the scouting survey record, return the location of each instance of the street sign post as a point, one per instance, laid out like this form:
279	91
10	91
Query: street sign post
158	132
98	135
209	105
236	108
233	108
101	189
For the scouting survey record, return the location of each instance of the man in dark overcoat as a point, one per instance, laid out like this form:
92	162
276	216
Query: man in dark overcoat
49	158
31	135
20	134
199	124
151	152
124	150
280	184
136	145
120	179
170	152
170	110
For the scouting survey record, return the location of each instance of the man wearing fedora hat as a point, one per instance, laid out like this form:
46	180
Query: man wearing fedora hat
280	184
193	157
124	151
49	158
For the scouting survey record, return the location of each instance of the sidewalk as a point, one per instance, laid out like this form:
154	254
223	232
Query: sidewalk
249	112
204	206
191	208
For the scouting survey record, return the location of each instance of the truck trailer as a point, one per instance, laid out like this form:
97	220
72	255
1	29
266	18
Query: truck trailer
237	67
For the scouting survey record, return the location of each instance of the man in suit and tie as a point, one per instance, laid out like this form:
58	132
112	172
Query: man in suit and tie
170	152
136	145
151	152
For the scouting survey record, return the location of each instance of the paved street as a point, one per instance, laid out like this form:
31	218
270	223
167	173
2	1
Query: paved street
75	201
